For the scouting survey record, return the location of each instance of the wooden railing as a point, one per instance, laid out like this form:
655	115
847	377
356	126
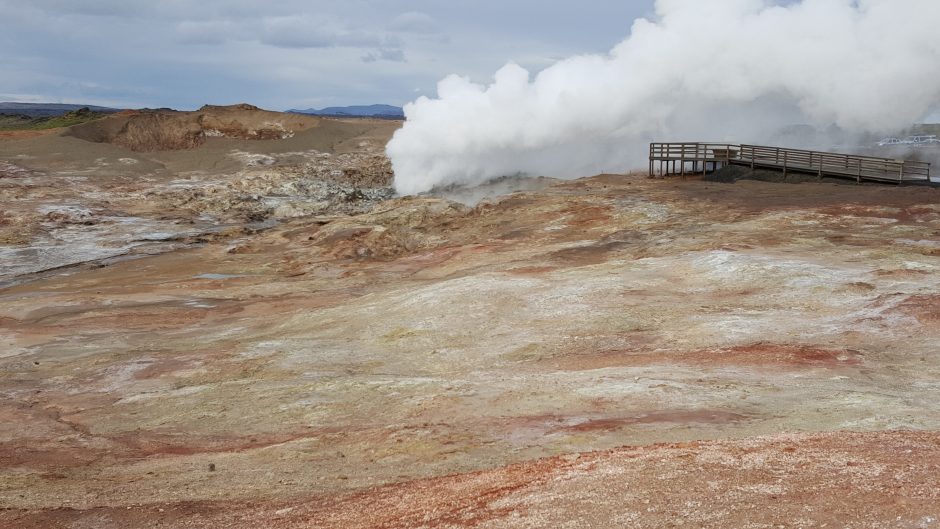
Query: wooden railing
674	158
834	164
690	151
697	153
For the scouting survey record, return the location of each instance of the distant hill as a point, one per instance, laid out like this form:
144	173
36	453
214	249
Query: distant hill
46	110
356	111
22	121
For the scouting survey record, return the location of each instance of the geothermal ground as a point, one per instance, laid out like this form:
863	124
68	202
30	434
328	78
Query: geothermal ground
252	333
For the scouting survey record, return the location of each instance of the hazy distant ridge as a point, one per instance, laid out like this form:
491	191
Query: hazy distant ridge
359	111
37	110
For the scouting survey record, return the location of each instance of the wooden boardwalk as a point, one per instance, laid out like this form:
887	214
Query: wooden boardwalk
683	158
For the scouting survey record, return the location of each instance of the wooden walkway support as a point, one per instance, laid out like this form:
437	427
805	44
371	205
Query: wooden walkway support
682	158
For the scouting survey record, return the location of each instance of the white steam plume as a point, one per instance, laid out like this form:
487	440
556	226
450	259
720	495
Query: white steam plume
723	70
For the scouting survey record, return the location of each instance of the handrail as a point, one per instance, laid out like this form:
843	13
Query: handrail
860	167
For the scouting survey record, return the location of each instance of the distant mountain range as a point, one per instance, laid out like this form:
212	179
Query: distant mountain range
356	111
45	110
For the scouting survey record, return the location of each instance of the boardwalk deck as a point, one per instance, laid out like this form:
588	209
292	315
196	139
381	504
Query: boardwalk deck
679	158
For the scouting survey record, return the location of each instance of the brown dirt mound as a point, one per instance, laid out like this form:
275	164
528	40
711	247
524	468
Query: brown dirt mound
163	130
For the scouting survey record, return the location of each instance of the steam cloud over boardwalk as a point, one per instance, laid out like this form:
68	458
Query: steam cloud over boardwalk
736	70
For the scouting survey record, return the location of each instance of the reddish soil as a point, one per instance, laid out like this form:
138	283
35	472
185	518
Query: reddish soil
925	308
873	480
531	270
759	355
23	134
654	417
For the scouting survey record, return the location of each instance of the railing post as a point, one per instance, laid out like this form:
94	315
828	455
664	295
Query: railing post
682	162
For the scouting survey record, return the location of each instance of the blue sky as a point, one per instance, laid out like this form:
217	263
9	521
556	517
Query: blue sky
281	54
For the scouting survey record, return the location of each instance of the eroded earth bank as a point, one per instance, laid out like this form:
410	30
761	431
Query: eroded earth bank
255	333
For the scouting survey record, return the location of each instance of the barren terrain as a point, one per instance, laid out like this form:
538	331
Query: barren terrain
262	336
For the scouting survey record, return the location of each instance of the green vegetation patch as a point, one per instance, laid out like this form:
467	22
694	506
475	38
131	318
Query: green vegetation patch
20	122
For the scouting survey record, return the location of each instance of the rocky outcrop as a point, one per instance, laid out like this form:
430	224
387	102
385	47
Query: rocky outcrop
162	130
